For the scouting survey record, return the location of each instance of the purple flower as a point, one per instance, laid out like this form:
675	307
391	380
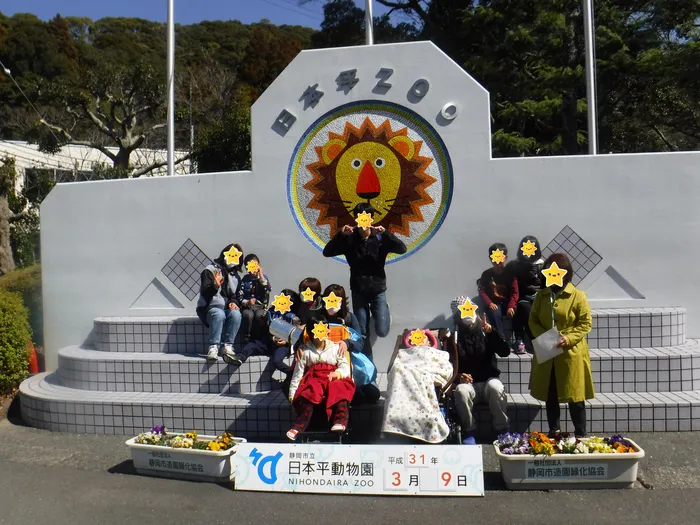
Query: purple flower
525	449
158	429
508	451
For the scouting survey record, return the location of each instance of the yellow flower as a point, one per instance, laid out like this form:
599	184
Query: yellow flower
213	445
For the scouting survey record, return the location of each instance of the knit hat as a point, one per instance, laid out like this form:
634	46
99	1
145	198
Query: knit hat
456	314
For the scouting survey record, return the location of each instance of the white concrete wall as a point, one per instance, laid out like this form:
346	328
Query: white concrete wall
103	242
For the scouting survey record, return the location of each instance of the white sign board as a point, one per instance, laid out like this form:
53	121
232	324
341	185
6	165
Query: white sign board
421	470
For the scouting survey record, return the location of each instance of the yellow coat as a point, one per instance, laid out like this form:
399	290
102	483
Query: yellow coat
572	368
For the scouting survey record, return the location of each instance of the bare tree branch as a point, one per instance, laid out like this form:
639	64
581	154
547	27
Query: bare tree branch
18	216
668	143
70	140
155	165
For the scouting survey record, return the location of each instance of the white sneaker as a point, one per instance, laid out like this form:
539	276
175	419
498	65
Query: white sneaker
213	353
228	348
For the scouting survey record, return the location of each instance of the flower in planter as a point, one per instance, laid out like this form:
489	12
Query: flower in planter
537	443
181	442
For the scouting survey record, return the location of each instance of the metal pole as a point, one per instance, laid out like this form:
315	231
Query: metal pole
369	23
589	34
171	89
191	127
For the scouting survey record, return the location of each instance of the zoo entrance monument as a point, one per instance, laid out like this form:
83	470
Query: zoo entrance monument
403	127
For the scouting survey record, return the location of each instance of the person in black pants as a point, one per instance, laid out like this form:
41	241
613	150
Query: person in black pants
527	269
366	250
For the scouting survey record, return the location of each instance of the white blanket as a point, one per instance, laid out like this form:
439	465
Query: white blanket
411	406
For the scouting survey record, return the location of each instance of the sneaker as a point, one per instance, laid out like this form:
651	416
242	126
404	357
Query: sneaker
213	353
520	347
469	440
292	434
338	428
230	357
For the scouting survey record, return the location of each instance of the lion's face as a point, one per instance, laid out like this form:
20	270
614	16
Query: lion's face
374	165
368	172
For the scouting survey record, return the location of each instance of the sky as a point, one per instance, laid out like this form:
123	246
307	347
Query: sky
186	11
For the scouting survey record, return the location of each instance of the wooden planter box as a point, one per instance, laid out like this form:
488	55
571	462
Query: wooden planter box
183	463
570	471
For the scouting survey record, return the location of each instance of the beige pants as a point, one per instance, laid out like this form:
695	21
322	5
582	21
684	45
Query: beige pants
492	392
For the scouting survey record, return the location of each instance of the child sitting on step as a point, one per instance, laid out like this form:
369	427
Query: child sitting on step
253	294
274	347
310	296
322	376
217	306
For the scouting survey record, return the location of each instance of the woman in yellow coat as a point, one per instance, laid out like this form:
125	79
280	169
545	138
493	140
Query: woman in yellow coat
567	378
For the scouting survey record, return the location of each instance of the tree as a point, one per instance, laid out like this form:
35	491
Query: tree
8	175
124	106
344	25
270	49
225	146
530	56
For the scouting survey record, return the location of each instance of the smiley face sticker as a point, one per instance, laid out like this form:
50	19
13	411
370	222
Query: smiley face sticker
528	248
321	331
308	295
333	302
554	275
497	256
232	256
252	266
467	309
282	303
418	338
364	220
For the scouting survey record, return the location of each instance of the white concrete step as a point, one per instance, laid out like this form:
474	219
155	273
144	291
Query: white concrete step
612	328
45	404
669	369
89	369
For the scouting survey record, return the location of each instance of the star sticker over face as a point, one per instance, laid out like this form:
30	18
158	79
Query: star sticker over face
418	338
497	256
252	266
282	303
364	220
333	301
467	309
321	331
308	295
528	248
554	275
232	256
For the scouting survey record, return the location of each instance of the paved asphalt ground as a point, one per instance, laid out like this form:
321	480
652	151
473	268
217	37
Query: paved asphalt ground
76	479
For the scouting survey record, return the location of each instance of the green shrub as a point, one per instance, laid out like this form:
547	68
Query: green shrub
27	283
14	341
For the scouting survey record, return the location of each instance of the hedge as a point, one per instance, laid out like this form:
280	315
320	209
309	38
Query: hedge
14	341
27	283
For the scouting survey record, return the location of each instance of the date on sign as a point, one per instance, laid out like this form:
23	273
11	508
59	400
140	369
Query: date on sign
425	480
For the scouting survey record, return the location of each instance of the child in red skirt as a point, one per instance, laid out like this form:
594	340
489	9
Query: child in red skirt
322	375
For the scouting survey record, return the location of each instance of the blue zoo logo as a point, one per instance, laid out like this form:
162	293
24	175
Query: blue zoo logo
269	478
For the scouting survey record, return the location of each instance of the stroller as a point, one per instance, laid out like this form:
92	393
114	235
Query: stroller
446	341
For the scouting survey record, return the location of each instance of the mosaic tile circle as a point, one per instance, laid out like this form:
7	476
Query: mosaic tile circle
376	152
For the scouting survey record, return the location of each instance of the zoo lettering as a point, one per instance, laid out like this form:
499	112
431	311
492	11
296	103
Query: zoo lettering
346	81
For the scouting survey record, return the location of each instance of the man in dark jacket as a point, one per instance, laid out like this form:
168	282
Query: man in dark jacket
477	345
217	305
366	249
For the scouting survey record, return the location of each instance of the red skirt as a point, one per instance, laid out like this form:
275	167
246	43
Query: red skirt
315	387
